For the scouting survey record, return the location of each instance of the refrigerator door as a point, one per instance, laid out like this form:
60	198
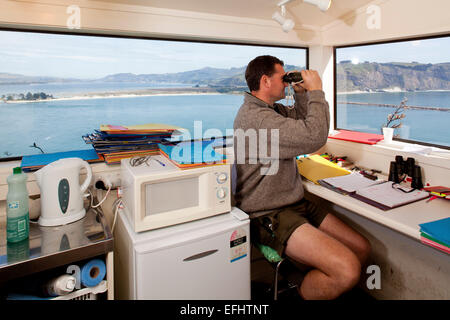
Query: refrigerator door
215	264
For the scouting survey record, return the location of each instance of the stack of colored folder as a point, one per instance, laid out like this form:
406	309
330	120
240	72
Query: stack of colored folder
119	142
436	234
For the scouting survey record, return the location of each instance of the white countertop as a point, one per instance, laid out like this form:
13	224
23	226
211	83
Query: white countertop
404	219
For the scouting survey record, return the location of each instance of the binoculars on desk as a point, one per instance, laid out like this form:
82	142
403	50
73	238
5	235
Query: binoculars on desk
401	167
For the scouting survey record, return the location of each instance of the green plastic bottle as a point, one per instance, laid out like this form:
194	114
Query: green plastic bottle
17	214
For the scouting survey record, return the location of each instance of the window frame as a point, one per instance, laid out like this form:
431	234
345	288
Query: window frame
144	37
375	43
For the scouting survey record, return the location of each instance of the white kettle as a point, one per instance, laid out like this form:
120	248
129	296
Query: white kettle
61	193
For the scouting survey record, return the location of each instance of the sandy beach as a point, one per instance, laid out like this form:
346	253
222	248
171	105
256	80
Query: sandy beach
130	94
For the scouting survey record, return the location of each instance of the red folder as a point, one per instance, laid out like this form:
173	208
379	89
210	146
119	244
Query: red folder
355	136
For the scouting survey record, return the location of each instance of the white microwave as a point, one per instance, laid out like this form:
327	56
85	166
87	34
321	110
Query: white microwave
157	193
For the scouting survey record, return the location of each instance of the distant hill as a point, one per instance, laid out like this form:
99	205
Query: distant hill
372	76
367	76
213	77
203	77
11	78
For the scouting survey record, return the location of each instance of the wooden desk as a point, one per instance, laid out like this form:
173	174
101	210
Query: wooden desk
404	219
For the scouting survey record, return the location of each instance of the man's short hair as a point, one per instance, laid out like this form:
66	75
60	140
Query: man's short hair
262	65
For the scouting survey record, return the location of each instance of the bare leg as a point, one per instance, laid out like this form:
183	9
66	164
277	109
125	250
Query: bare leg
337	268
334	227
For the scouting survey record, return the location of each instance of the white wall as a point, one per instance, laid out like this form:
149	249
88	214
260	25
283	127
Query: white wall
398	19
103	17
321	59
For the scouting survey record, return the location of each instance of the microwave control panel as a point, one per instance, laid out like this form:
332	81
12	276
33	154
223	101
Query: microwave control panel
222	190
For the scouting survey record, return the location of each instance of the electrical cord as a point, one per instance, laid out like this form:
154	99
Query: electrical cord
92	197
117	203
290	103
290	98
104	198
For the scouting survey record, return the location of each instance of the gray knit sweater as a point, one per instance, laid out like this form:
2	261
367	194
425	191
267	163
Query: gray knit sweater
302	129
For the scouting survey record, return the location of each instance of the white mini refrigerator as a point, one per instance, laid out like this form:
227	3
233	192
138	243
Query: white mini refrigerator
207	259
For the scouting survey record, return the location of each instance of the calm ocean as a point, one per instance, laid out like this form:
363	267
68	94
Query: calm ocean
420	125
58	125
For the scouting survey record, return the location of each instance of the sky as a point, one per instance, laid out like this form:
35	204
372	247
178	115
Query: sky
88	57
424	51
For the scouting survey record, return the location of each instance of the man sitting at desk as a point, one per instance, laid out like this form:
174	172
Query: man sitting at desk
282	218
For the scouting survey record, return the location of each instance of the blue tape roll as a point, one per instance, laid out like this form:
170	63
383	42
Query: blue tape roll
93	272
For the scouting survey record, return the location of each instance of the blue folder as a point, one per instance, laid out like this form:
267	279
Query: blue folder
190	152
439	229
34	162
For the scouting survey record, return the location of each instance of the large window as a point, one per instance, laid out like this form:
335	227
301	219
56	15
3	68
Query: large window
55	88
372	80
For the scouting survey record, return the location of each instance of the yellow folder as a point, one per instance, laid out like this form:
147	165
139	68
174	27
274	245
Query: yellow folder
316	167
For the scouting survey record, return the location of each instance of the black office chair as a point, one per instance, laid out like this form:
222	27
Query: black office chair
272	256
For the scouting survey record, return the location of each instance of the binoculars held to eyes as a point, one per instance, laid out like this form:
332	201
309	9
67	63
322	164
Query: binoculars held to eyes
293	77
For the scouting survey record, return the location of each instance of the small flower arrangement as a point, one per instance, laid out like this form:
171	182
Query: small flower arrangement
394	119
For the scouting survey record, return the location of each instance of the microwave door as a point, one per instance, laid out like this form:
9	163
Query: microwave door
167	196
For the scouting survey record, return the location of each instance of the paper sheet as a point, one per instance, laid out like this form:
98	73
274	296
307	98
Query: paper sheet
351	182
386	195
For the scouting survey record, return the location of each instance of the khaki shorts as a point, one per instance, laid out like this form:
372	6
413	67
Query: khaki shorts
274	228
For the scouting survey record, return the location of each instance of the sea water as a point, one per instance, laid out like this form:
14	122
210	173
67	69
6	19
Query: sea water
429	126
59	125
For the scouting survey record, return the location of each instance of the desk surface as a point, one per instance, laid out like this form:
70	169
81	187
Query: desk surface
405	219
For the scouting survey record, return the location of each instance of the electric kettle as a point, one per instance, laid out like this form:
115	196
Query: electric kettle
61	193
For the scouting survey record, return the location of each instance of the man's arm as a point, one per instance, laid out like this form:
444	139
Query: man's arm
307	132
311	82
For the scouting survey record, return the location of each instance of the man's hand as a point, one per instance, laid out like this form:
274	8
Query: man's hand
311	81
296	86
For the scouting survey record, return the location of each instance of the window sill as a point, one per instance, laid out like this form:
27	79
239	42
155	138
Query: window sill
415	149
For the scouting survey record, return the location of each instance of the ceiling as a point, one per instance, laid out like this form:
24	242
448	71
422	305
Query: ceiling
302	13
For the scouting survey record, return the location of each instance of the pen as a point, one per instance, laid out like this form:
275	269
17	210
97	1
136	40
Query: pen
161	163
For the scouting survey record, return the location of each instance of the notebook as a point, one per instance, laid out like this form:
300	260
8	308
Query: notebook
348	183
385	197
315	168
439	229
435	244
